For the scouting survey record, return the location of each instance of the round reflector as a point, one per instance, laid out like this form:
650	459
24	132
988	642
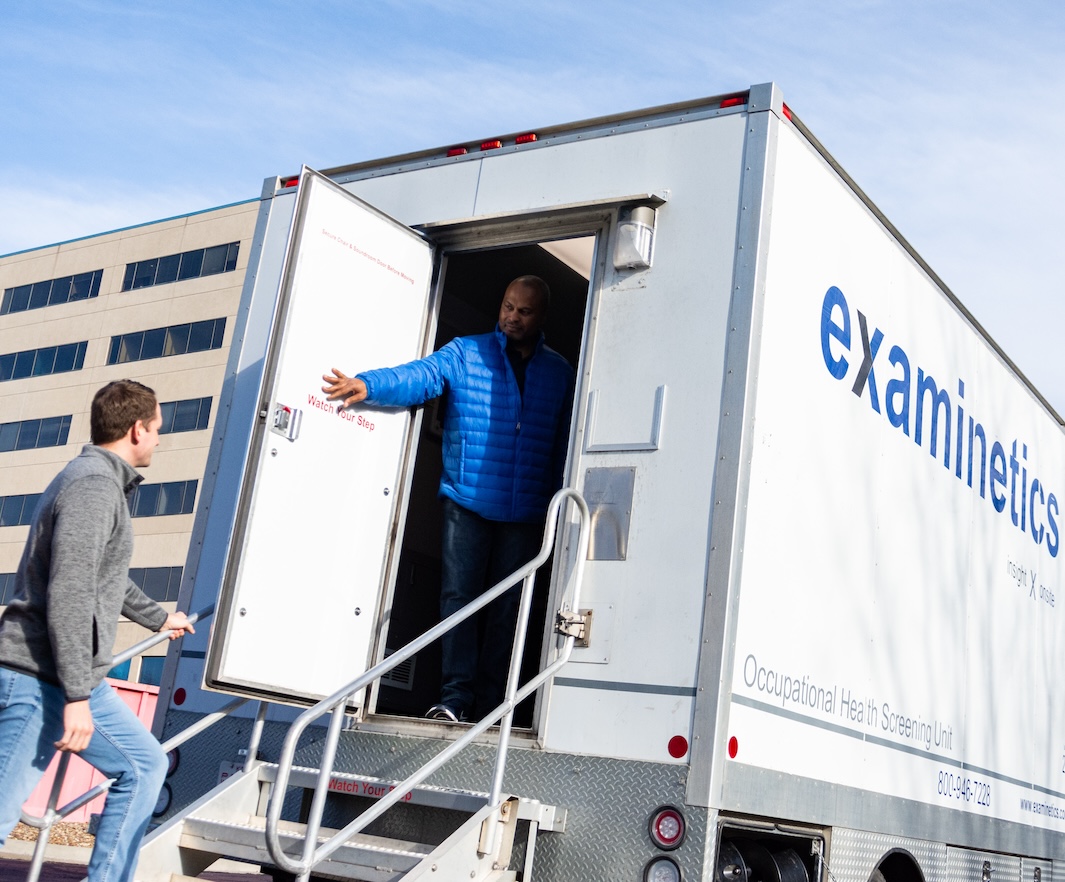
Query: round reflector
667	827
678	746
661	869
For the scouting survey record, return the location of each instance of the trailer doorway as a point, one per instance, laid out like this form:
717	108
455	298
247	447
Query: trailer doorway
471	289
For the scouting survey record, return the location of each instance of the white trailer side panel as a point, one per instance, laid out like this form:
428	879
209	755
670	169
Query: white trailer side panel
663	328
901	588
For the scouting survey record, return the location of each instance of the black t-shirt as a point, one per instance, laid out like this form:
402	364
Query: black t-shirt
518	364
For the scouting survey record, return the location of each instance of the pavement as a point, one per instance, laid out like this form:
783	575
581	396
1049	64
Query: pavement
15	865
66	863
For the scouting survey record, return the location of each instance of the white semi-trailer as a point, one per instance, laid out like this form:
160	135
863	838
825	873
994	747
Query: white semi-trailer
820	623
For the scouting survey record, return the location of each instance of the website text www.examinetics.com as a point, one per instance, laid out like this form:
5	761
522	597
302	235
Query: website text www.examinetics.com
1042	808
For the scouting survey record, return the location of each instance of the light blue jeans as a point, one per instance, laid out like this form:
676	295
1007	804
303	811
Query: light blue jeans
31	721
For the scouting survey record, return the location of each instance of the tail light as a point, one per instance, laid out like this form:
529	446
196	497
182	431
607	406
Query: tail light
667	827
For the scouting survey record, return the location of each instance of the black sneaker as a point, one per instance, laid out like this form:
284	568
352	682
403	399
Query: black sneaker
442	713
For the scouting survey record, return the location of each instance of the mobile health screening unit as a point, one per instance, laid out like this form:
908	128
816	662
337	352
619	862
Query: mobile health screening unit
797	616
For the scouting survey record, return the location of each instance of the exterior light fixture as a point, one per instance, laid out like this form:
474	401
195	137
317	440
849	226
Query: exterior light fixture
667	827
662	869
635	238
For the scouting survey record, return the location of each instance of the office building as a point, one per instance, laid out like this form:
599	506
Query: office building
155	303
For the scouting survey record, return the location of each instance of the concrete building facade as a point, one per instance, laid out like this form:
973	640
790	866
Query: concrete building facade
155	303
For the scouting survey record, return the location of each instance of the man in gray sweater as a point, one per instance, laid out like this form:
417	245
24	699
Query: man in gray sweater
58	633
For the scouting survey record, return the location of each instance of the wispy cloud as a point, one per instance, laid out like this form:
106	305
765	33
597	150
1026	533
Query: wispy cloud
944	112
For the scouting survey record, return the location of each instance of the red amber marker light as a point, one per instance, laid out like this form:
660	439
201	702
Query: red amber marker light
492	145
733	747
457	151
787	111
734	102
527	138
290	182
678	746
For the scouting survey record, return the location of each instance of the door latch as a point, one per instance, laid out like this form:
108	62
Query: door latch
287	421
575	624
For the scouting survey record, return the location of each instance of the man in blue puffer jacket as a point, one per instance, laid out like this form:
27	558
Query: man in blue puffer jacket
505	431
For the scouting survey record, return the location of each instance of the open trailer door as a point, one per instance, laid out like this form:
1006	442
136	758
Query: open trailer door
310	550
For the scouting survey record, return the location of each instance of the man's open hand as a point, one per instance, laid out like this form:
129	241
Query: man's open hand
351	390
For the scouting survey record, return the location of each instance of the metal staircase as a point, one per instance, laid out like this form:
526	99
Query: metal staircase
398	829
453	830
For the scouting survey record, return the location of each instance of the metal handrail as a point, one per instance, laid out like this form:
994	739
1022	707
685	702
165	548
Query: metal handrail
52	813
503	714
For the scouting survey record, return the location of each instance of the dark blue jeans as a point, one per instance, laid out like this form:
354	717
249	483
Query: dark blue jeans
478	553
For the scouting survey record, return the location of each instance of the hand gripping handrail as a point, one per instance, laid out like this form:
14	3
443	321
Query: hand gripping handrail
313	853
52	814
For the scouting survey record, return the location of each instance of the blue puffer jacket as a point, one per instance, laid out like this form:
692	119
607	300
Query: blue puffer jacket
503	452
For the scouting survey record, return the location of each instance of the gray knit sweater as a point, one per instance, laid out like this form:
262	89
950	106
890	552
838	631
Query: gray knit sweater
73	580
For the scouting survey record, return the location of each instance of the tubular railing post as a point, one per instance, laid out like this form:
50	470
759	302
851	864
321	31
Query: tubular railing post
521	632
513	674
314	821
256	736
506	722
37	862
49	816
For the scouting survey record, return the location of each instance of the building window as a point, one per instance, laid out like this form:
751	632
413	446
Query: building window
31	434
120	672
159	583
189	415
161	342
151	670
7	588
17	511
178	267
156	500
41	362
51	292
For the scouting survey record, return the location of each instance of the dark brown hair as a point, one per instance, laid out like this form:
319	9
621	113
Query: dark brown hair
117	406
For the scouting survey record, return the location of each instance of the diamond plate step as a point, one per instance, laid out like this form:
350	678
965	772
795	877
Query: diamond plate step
363	857
469	801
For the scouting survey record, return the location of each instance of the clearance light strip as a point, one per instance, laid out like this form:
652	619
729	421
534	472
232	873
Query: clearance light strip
530	138
492	144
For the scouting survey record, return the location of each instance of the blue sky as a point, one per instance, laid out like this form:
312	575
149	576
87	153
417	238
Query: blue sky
946	113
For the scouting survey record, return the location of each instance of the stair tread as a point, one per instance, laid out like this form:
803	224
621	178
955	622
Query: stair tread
355	776
370	787
428	788
196	825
